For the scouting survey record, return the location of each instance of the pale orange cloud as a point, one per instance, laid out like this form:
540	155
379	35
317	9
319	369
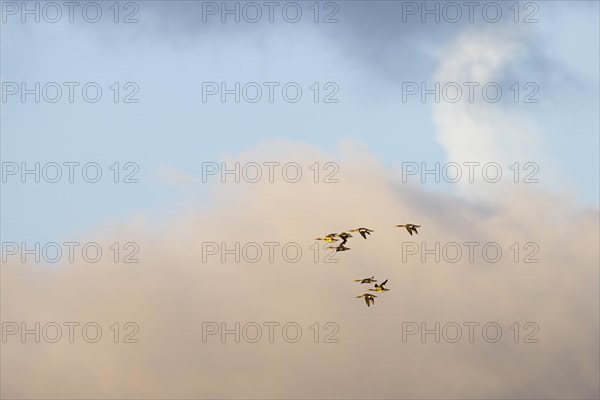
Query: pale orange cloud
171	293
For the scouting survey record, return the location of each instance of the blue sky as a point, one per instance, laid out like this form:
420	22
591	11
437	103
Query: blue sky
370	132
170	52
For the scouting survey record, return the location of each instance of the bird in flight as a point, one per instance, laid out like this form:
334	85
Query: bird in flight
380	288
410	228
344	236
328	239
332	237
340	247
363	231
369	298
366	280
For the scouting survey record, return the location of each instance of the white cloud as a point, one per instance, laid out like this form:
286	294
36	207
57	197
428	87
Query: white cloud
482	131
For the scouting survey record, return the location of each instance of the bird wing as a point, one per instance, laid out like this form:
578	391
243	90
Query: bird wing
409	230
415	229
367	300
383	283
362	233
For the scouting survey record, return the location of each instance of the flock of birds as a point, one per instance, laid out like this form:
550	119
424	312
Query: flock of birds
344	236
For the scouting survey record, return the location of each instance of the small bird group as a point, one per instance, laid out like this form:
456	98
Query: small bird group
332	237
370	298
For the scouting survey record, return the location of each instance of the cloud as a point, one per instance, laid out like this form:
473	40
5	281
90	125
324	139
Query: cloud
171	292
477	130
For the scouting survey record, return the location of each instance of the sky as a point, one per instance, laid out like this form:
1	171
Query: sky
363	118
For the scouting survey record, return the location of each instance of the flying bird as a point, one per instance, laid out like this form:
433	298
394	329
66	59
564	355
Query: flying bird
369	298
366	280
363	231
328	239
340	247
380	288
410	228
344	236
